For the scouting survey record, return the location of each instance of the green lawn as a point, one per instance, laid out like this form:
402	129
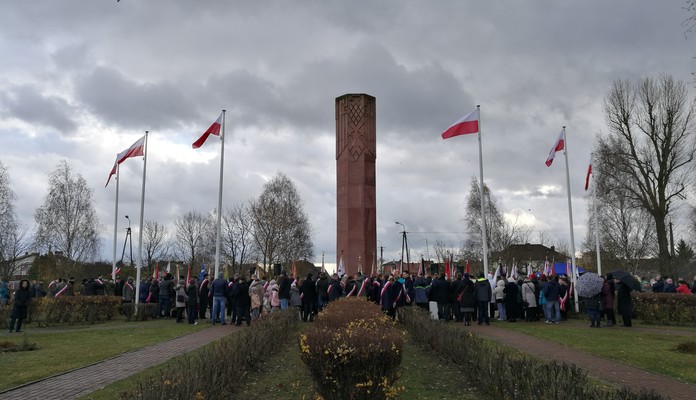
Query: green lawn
64	349
285	377
652	349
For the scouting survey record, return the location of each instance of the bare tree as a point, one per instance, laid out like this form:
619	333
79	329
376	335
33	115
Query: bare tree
154	243
237	236
13	238
281	227
500	231
649	150
192	232
67	220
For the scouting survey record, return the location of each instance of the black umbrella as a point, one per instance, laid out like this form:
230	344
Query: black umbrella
627	279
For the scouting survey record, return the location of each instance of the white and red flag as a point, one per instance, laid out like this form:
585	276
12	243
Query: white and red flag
137	149
463	126
214	129
558	146
587	178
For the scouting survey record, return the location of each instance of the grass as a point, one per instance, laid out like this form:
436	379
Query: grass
61	350
651	349
423	376
285	377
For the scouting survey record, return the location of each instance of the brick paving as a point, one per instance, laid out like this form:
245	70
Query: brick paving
609	371
82	381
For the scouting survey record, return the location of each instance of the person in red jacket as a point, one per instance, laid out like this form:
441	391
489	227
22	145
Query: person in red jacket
683	287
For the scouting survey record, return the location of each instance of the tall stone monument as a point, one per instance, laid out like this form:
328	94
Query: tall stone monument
356	236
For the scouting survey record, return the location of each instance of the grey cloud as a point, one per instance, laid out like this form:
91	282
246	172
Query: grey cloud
28	104
130	104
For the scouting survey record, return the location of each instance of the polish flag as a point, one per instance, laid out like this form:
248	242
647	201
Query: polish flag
587	178
560	145
467	267
137	149
463	126
341	270
213	130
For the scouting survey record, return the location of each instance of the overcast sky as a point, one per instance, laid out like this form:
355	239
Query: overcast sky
82	80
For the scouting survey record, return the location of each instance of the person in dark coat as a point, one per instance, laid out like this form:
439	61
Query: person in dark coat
322	290
511	306
308	289
624	303
399	294
439	293
608	292
284	283
456	288
420	289
243	301
165	296
551	292
144	290
467	299
334	290
192	302
22	297
203	296
154	291
219	291
483	298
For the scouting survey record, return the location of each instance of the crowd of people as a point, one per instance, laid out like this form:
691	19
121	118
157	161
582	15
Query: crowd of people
465	298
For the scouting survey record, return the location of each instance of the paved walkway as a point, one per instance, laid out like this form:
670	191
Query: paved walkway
82	381
606	370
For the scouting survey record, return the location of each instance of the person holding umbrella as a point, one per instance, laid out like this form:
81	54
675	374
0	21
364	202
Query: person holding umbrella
608	292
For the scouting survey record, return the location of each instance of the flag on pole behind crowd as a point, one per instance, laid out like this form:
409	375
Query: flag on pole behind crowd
587	178
214	129
463	126
135	150
341	270
558	146
156	275
200	276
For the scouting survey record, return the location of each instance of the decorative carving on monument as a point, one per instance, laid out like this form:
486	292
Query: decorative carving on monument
355	127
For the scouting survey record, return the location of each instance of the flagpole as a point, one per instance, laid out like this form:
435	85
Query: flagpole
219	213
596	220
483	210
570	218
140	233
113	265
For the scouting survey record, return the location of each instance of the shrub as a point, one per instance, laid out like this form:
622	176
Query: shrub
8	347
525	377
353	351
665	308
48	311
217	371
687	347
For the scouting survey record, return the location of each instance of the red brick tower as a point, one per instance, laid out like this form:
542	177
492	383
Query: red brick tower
356	225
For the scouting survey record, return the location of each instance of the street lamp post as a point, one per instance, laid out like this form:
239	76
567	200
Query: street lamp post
404	246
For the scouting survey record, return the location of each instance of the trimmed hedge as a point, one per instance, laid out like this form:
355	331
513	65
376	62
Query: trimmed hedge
48	311
665	308
217	370
525	377
353	351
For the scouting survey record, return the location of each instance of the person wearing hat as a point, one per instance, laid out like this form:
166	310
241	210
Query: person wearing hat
192	301
22	297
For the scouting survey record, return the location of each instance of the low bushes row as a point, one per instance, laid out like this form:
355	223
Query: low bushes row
665	308
218	370
70	310
525	377
353	351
